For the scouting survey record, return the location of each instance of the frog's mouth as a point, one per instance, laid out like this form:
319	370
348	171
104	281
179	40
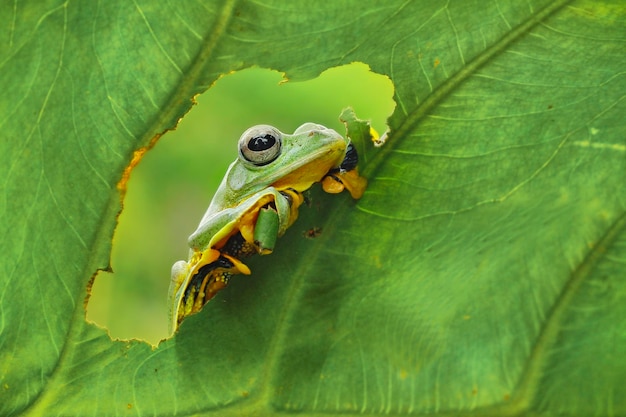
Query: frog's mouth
302	176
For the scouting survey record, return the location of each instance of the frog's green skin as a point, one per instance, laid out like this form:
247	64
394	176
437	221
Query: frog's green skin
272	179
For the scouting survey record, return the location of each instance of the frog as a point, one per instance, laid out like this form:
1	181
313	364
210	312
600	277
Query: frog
257	201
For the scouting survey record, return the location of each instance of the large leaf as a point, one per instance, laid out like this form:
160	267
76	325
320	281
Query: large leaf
481	273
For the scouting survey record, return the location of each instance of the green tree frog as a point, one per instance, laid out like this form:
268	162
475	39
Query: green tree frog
256	202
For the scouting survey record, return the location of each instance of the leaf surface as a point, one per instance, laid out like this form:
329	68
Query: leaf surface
482	273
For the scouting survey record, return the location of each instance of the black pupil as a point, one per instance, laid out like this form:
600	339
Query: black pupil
261	143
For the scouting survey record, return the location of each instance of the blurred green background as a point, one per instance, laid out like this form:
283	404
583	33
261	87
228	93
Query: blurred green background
171	188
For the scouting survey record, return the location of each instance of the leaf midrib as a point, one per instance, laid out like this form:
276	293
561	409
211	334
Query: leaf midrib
394	138
527	388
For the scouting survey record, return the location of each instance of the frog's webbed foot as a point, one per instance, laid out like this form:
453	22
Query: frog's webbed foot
205	284
346	177
195	282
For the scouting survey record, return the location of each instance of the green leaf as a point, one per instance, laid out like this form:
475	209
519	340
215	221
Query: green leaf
482	273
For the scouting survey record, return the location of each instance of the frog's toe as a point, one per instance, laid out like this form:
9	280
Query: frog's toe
179	270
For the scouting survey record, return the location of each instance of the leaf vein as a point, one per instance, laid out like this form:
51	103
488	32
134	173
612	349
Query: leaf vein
453	82
156	39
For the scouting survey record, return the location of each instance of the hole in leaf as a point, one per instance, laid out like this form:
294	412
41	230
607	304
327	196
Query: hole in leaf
169	191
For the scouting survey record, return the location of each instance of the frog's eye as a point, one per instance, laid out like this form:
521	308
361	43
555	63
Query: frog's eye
260	145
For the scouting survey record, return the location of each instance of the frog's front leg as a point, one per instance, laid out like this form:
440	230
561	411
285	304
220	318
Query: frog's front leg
262	226
266	230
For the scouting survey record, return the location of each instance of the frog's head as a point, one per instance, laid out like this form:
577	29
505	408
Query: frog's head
268	157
